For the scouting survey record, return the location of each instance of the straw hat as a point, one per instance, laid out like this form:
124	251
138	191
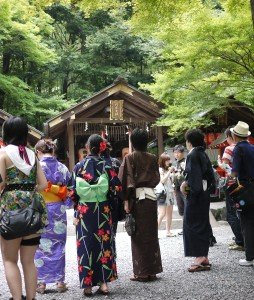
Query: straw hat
241	129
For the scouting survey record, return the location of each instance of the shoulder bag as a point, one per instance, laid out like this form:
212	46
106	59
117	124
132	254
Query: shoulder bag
242	195
21	222
161	194
24	221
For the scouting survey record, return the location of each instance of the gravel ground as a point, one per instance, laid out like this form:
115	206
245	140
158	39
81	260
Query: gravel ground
226	280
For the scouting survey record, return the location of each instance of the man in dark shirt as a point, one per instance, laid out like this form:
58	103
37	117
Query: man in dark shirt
243	169
178	177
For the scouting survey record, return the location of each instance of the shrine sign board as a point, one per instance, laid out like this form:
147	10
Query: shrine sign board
116	109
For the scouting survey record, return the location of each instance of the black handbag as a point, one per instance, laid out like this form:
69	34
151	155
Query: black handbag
21	222
130	224
242	195
161	197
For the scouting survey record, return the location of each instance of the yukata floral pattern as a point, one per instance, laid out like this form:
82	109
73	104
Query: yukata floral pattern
15	199
95	251
50	256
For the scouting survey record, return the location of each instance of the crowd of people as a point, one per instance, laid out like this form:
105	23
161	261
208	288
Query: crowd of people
100	189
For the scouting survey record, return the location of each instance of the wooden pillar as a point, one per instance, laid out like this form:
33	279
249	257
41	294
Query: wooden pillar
71	149
160	140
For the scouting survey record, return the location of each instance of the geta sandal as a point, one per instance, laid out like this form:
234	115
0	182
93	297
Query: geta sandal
88	292
199	268
140	279
102	292
41	287
61	287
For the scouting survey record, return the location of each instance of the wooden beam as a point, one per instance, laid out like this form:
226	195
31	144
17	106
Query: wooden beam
160	140
108	121
71	149
143	103
94	109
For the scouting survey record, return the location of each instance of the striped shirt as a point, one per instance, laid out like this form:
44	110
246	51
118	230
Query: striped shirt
228	155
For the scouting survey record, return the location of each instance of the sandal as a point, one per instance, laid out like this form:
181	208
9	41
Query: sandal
41	287
102	292
61	287
88	292
170	234
140	279
199	268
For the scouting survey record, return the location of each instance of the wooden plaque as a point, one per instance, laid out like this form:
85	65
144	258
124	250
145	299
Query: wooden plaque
116	109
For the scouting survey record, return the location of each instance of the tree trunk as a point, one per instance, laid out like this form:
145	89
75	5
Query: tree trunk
5	71
39	87
6	62
65	87
252	10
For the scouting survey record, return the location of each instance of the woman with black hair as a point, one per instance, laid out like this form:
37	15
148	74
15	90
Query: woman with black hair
94	181
199	179
50	256
21	177
139	174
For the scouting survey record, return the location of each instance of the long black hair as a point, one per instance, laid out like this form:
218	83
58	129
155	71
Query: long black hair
15	131
93	143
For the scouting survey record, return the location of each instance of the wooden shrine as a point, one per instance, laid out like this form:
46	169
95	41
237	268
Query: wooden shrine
112	112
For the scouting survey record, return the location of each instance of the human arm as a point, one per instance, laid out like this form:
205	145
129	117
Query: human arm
164	176
194	172
127	179
41	179
237	160
126	206
2	170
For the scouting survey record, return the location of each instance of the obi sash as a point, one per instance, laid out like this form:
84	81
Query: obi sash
54	193
92	192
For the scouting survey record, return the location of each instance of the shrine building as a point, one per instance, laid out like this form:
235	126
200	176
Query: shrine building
112	112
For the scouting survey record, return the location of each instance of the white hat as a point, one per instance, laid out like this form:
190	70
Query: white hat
241	129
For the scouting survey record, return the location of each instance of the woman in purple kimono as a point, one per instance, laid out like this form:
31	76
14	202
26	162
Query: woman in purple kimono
95	184
50	256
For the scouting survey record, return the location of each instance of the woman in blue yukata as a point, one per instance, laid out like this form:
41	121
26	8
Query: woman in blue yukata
50	256
95	184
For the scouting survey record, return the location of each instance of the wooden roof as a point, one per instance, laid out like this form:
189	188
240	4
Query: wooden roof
33	134
233	112
137	107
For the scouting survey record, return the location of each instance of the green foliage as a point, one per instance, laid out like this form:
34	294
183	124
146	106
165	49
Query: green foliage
209	52
54	53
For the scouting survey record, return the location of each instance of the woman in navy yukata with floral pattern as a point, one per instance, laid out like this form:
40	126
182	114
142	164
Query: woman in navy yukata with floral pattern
94	185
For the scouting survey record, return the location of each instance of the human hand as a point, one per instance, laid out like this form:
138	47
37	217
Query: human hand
172	169
184	188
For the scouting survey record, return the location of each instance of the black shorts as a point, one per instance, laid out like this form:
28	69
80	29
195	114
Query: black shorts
31	242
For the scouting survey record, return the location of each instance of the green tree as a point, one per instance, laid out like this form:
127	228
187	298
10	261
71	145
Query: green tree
209	53
21	48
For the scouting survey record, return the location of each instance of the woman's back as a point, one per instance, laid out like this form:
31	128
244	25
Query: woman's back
145	169
19	186
55	172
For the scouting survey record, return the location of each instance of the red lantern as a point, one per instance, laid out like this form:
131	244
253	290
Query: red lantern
251	140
